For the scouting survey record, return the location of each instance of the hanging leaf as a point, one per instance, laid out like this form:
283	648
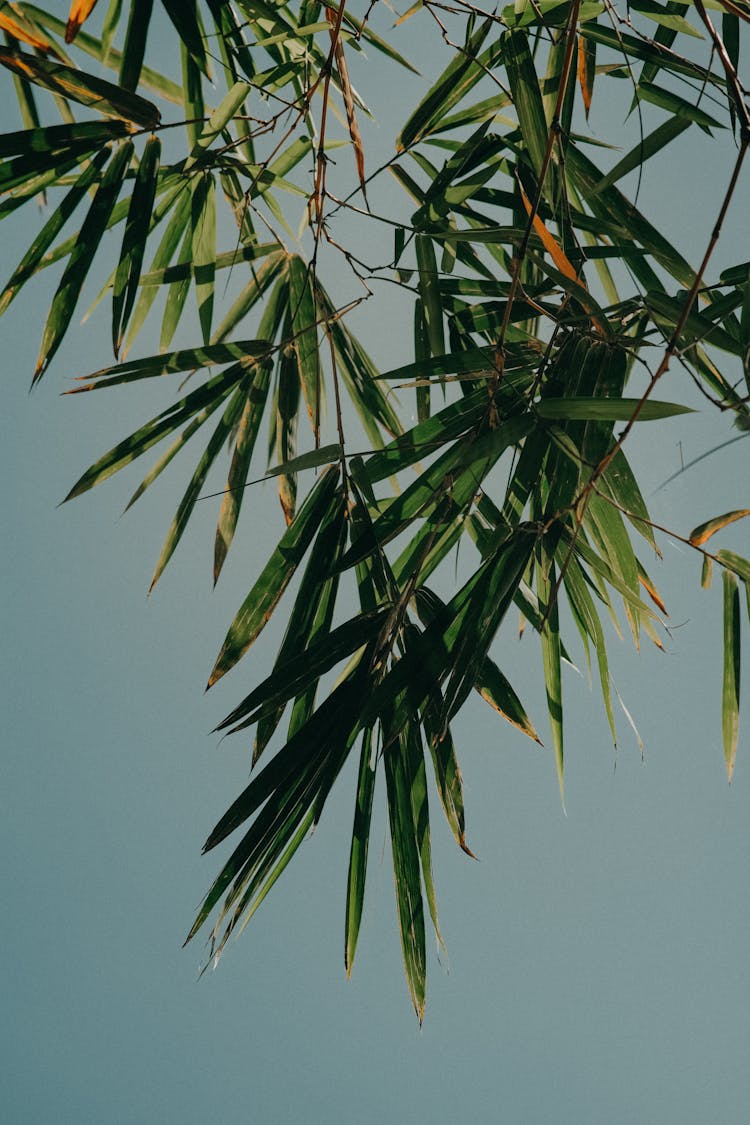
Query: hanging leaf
730	696
69	289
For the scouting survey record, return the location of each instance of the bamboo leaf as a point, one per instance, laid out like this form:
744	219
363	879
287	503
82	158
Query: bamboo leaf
185	509
203	220
701	534
730	696
134	239
210	395
87	89
584	407
80	10
69	289
275	577
406	872
304	326
550	637
33	256
355	886
247	433
131	63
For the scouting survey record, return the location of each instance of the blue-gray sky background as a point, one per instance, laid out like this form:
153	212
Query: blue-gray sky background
597	962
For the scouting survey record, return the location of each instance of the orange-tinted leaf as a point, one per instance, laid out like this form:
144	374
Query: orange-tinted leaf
652	592
702	533
21	28
80	10
551	245
586	70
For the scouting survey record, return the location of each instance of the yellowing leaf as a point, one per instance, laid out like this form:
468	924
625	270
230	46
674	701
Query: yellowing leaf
702	533
21	28
653	593
80	10
551	245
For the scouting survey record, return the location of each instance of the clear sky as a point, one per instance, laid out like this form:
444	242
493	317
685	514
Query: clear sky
597	963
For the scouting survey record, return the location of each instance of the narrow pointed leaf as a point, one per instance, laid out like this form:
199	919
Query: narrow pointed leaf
355	887
275	577
87	89
33	256
69	289
203	218
304	326
730	697
137	227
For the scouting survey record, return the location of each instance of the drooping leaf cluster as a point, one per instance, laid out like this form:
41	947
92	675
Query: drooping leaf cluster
544	308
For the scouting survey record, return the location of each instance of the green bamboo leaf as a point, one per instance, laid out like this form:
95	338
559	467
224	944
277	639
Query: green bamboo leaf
416	775
526	95
649	146
168	456
87	89
730	696
215	444
428	289
446	770
184	17
131	61
493	686
287	400
187	359
33	256
611	205
203	219
657	12
294	675
302	751
658	57
364	29
736	563
210	395
304	326
59	138
621	485
179	204
324	455
489	604
275	577
177	294
134	239
551	657
262	278
219	119
584	610
69	289
247	433
406	872
673	103
583	407
427	437
455	81
357	874
310	619
37	170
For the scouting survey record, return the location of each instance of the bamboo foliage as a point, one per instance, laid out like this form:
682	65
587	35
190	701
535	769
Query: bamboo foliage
544	306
